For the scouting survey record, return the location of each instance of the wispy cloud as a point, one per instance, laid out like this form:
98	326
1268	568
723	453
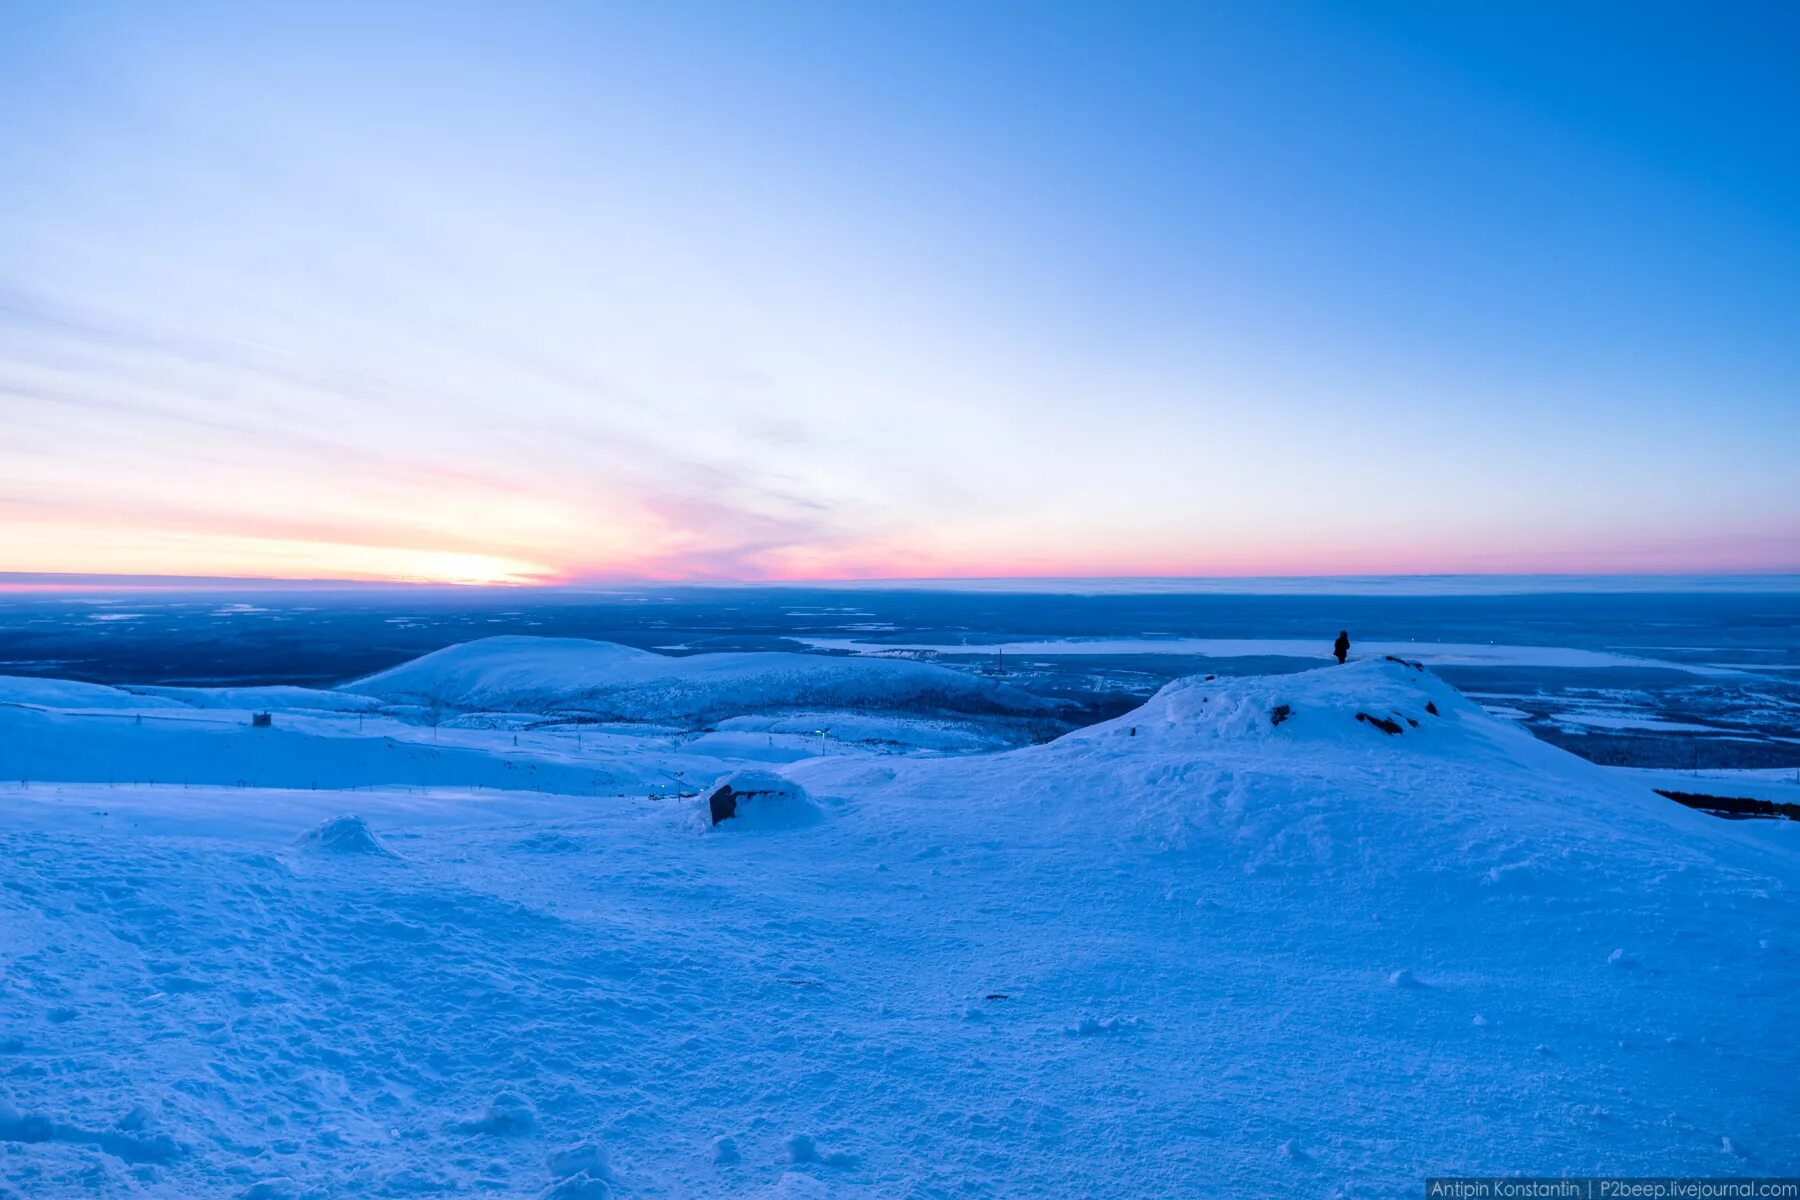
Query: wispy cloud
716	300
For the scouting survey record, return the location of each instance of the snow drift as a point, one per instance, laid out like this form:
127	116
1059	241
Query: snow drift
343	835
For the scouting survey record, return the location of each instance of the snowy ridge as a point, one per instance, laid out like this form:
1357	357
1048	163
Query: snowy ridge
31	692
70	694
505	674
293	699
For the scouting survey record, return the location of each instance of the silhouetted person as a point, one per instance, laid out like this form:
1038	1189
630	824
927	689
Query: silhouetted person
1342	647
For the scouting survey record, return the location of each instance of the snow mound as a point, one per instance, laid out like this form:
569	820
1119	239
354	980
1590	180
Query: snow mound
1354	705
585	1157
343	835
612	682
756	800
582	1172
508	1114
1373	774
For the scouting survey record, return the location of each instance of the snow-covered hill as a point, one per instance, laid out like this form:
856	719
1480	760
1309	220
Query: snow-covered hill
510	713
21	691
612	682
1323	933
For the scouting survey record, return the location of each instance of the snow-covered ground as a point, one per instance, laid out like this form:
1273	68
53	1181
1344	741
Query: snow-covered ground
1242	939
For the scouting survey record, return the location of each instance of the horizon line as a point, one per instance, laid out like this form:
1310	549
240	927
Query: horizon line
1762	581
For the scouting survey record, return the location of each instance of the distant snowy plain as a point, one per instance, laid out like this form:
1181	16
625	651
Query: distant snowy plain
466	928
1439	653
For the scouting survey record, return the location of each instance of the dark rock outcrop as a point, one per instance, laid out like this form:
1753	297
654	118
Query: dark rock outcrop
1381	723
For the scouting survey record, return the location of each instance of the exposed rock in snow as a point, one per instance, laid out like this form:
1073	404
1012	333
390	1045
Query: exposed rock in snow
1385	724
757	800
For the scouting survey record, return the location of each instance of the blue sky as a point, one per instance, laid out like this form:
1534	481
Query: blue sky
815	291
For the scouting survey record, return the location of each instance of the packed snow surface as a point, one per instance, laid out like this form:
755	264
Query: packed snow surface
1323	934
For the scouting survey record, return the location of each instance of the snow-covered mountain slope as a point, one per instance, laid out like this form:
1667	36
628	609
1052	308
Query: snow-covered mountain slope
527	674
292	699
34	692
1192	951
31	692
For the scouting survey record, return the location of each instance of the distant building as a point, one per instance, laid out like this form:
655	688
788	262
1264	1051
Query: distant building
261	720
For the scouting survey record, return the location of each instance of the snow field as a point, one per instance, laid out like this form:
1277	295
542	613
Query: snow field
1190	951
